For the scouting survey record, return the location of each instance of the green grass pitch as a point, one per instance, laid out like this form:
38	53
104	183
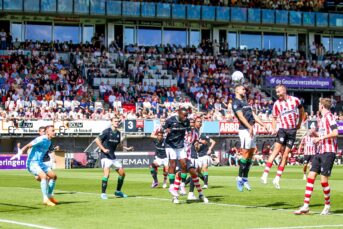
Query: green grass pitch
81	207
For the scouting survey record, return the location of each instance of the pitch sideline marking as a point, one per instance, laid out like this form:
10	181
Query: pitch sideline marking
299	227
165	199
24	224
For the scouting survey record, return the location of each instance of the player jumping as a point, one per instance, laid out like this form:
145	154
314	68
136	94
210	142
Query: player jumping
289	111
247	119
107	142
322	162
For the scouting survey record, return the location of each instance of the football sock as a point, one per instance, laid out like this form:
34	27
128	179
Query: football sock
120	182
171	178
195	180
326	190
51	187
154	174
104	184
267	168
183	177
189	179
206	178
43	186
201	176
247	168
280	170
308	191
191	186
177	182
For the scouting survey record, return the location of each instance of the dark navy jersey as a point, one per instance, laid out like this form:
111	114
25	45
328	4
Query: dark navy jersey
176	137
47	156
245	108
204	148
202	151
110	140
160	148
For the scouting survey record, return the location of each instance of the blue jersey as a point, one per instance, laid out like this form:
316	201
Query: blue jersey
40	147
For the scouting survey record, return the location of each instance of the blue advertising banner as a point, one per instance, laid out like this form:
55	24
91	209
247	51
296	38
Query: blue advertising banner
300	82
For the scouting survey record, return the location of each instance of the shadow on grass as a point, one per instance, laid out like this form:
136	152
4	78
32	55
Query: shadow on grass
19	206
216	186
71	202
215	199
339	211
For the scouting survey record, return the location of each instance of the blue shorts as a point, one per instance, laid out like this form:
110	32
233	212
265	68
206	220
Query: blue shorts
37	167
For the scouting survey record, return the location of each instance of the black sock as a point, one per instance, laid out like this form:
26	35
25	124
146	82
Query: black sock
191	186
189	179
104	184
247	168
201	176
241	168
154	174
206	178
120	183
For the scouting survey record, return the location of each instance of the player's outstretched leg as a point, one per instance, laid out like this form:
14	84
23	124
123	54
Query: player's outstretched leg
121	177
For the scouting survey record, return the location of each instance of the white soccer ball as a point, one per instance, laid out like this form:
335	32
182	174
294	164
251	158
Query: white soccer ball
237	76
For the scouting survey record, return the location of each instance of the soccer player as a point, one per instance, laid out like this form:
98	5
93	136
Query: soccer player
289	111
193	168
204	157
176	127
107	142
247	119
159	128
322	162
308	147
161	159
40	146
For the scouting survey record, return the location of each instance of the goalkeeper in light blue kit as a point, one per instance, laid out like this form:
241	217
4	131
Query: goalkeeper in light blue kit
35	165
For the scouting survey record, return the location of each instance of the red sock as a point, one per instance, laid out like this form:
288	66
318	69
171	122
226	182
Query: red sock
195	180
267	168
280	171
165	174
177	182
309	190
326	190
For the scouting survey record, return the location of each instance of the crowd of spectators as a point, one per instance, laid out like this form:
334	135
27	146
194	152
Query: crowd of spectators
299	5
41	84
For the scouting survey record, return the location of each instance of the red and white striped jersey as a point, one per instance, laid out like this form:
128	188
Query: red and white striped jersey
309	146
287	112
325	123
191	136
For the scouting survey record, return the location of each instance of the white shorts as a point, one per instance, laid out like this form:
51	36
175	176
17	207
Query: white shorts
204	161
48	164
247	142
161	161
36	168
176	154
108	163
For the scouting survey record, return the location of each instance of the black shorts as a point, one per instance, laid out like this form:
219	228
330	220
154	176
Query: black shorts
308	158
323	163
286	137
191	164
